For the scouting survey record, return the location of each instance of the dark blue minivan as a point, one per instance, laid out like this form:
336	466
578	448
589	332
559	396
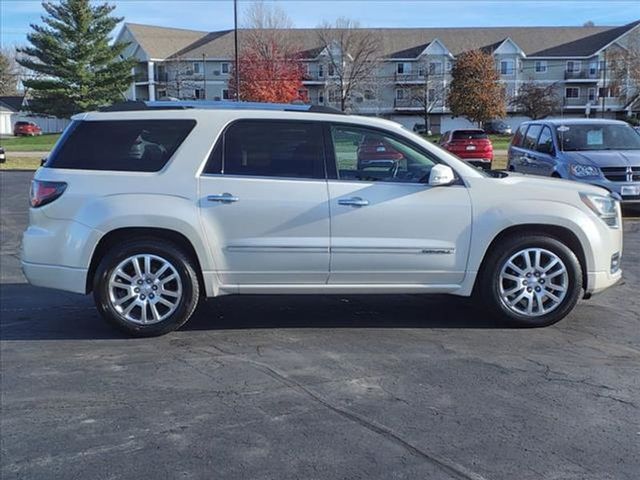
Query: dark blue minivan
597	151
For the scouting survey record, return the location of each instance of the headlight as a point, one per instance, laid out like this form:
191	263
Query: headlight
605	207
582	171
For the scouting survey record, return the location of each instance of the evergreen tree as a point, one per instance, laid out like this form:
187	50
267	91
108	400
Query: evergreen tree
75	65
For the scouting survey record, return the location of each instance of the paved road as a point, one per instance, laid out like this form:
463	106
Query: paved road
317	387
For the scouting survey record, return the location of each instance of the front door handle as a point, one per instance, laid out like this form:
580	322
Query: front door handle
353	202
222	198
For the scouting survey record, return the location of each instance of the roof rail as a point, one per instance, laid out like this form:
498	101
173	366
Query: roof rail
214	105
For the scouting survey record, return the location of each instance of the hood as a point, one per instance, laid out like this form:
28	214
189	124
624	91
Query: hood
535	185
605	158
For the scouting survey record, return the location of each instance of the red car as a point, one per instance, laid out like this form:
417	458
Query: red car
375	152
472	145
27	129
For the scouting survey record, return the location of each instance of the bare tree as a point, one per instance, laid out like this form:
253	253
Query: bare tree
624	70
11	72
351	57
536	101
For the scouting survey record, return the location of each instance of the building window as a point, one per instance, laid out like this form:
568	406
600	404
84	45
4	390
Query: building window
320	71
593	69
507	67
435	68
572	92
448	66
400	68
421	71
331	70
541	66
225	68
369	95
225	94
199	93
573	66
161	94
197	67
320	97
592	94
431	95
608	92
399	94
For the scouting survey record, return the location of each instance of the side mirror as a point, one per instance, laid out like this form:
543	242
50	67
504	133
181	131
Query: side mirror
441	175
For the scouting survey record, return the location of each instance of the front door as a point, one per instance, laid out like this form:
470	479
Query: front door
387	225
264	204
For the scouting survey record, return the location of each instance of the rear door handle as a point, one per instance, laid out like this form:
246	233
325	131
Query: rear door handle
222	198
353	202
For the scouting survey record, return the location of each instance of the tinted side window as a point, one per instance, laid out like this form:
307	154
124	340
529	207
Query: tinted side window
131	145
274	149
519	136
545	142
531	138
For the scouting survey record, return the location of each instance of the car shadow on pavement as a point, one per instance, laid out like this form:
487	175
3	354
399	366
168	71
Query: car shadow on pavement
29	313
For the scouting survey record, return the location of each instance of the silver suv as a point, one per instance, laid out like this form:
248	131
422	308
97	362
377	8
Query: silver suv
152	206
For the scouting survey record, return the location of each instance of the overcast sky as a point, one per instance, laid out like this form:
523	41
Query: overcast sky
16	15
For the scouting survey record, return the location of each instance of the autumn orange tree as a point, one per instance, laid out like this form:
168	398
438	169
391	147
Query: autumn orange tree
275	77
269	66
475	92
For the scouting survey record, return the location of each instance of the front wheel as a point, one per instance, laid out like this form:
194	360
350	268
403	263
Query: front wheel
531	280
146	287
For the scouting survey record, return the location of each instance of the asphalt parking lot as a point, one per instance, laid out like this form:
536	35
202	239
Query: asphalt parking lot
394	386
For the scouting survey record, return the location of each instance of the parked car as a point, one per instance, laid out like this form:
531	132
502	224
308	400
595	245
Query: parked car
30	129
601	152
151	208
498	127
472	145
376	152
421	129
3	156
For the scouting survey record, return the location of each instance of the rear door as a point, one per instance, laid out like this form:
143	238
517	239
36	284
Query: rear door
264	204
387	225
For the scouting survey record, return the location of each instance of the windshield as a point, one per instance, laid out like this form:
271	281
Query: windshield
574	138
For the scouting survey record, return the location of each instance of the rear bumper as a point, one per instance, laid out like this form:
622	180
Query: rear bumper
55	276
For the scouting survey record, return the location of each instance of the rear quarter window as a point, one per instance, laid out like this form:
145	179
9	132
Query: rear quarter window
121	145
519	135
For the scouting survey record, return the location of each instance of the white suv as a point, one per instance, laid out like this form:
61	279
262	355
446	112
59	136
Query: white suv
154	205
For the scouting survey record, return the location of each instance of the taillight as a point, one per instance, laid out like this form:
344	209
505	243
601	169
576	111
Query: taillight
45	192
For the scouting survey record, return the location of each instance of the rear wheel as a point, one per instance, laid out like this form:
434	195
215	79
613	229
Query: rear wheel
531	280
146	287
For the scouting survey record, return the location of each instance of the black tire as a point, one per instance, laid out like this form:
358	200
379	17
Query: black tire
488	282
181	263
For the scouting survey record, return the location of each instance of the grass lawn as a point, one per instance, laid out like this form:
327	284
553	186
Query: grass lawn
42	143
21	163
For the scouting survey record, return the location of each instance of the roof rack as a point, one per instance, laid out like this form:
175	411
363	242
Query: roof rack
134	105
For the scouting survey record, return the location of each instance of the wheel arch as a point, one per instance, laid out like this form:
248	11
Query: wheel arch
560	233
118	235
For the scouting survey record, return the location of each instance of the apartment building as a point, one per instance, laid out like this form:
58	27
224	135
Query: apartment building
189	64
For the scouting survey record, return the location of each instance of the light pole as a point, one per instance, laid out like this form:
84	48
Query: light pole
235	41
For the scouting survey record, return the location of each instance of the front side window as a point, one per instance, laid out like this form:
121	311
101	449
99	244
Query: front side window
545	141
531	138
587	137
131	145
368	155
274	149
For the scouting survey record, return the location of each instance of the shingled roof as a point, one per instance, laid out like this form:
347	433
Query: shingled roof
161	42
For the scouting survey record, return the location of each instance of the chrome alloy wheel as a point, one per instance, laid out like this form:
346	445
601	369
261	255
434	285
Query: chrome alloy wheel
533	282
145	289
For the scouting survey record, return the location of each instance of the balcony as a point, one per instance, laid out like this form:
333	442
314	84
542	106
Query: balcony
314	78
584	75
409	78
